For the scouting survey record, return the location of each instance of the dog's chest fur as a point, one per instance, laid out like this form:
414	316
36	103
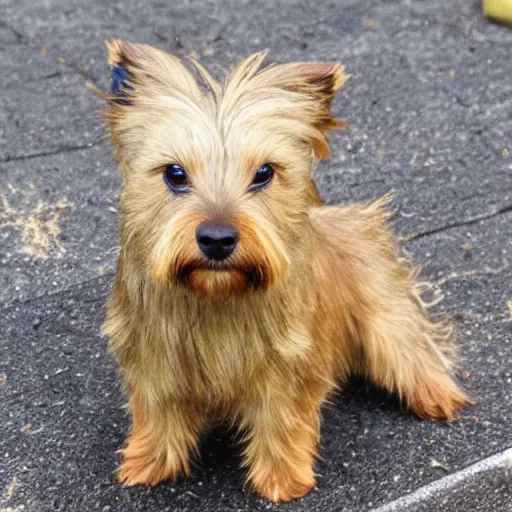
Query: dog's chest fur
211	351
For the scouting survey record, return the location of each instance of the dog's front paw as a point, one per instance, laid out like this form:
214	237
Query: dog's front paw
283	486
143	466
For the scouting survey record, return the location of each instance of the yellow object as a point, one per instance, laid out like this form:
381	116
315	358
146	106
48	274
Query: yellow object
498	10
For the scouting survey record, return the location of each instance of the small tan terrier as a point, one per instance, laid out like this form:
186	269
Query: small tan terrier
239	297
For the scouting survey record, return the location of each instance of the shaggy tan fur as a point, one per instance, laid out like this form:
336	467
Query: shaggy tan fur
310	295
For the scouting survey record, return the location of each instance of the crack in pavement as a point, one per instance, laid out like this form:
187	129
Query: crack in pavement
74	67
57	151
453	94
23	38
440	229
93	280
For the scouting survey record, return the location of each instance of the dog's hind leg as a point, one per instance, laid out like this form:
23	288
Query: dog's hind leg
384	326
405	352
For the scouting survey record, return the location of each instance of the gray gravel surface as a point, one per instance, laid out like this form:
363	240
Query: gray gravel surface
429	105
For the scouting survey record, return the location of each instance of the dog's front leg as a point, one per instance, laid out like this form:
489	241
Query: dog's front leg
282	437
162	437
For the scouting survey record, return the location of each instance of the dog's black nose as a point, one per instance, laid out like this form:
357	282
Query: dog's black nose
216	241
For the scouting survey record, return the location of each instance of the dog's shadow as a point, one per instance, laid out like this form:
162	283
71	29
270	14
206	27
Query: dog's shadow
357	400
359	393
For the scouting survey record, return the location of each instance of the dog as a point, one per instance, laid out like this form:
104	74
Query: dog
239	296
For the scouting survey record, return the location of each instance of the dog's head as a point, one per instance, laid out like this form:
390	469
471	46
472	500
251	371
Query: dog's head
217	184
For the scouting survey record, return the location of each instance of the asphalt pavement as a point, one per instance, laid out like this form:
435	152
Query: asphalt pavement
429	106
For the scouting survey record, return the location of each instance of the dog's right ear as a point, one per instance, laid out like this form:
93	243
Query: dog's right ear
141	77
307	91
140	70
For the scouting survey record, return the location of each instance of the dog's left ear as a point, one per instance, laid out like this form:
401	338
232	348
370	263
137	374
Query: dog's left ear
318	82
321	81
312	85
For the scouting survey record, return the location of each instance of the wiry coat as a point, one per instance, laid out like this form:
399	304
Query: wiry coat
311	294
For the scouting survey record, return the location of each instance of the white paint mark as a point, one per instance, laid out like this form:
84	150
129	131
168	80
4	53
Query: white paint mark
501	461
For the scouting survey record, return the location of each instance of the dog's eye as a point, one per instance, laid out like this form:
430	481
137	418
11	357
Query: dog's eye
176	179
262	177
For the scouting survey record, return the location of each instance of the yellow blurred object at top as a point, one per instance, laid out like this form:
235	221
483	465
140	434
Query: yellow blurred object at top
499	10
